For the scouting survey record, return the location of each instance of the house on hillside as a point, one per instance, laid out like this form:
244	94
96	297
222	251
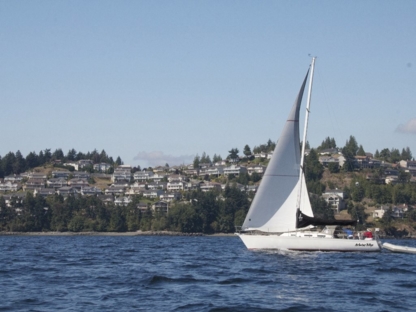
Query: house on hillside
210	186
235	170
33	184
161	207
102	167
66	191
259	169
115	190
56	183
141	176
47	191
152	193
122	201
14	178
90	191
335	199
396	211
9	186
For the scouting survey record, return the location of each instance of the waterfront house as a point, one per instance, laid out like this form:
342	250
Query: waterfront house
161	207
11	199
142	206
106	199
122	201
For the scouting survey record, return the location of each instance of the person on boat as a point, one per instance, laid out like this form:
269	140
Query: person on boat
349	233
368	235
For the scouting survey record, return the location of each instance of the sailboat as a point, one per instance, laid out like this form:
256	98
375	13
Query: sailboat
281	216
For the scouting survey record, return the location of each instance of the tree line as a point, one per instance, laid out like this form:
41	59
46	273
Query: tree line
15	163
200	212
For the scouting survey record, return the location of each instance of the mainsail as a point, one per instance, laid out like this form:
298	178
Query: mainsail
274	205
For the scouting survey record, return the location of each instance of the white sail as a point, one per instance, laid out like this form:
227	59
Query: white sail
274	206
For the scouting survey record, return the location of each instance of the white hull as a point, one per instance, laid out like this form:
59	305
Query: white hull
256	241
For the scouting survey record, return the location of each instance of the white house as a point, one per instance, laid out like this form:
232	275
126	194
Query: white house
175	185
142	175
122	201
234	169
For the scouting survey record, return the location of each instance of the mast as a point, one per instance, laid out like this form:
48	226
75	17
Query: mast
305	130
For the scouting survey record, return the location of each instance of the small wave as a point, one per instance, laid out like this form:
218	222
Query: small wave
394	270
257	271
406	285
197	307
245	308
159	279
236	280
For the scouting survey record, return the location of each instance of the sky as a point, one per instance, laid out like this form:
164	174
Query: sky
158	82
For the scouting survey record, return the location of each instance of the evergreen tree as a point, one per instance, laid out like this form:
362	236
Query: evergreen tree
247	150
71	155
118	161
321	208
361	151
327	144
385	154
32	160
351	146
58	154
205	159
233	154
47	155
216	158
103	157
7	163
196	162
406	154
19	164
117	220
313	168
394	155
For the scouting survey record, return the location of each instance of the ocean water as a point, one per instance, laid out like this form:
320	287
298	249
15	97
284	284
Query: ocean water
165	273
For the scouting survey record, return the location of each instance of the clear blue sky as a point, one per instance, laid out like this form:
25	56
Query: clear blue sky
161	81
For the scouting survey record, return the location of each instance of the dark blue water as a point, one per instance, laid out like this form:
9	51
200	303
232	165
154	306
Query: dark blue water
153	273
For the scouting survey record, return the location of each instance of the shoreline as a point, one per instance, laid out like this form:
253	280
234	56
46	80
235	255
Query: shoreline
142	233
138	233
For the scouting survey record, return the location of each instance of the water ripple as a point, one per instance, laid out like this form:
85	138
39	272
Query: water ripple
105	273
